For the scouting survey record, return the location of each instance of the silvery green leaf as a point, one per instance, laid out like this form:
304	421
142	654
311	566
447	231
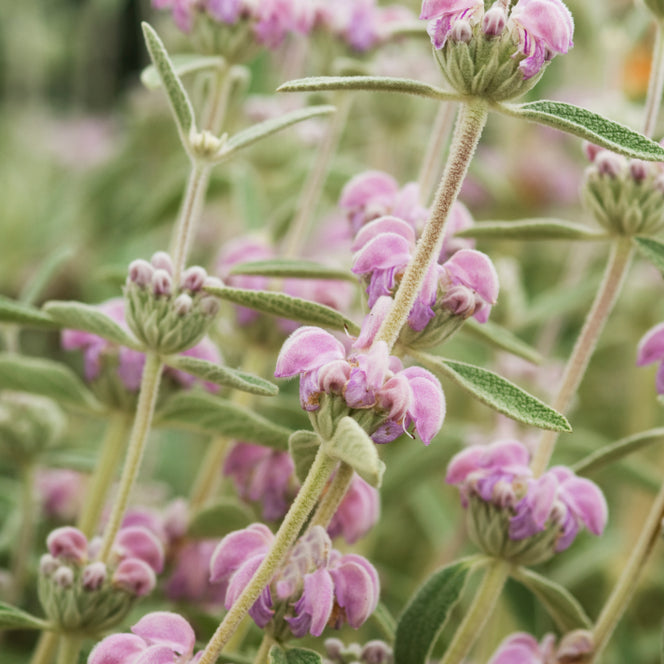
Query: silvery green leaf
219	518
352	445
618	450
587	125
47	378
287	268
503	339
183	63
287	306
79	316
303	446
261	130
653	250
375	83
279	655
532	229
497	393
11	617
25	315
559	603
206	413
220	375
178	100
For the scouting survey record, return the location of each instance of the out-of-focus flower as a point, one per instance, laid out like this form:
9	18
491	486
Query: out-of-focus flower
357	513
651	349
61	492
522	648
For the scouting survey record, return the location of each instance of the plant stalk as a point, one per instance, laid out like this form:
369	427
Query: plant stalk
433	158
264	649
333	496
656	83
215	112
46	648
69	649
470	123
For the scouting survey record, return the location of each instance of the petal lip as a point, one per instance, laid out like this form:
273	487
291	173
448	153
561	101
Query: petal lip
651	346
164	628
308	348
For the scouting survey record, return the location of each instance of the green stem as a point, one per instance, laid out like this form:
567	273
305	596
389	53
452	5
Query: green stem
112	451
215	113
189	214
656	83
21	554
470	123
46	647
333	496
313	187
207	478
264	649
290	528
70	648
627	582
478	613
614	276
433	159
147	399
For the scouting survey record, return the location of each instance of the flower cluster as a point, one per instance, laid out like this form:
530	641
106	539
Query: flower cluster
317	586
370	385
161	636
522	648
507	47
516	516
77	591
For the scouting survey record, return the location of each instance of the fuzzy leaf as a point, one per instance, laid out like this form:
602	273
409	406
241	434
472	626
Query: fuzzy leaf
653	250
79	316
303	447
11	617
44	274
559	603
178	100
532	229
47	378
278	655
375	83
352	445
206	413
220	375
25	315
287	306
219	518
259	131
424	617
498	393
286	268
618	450
589	126
183	63
503	339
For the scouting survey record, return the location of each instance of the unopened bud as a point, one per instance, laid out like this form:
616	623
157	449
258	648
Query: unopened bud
609	163
63	577
140	272
334	648
494	21
575	646
135	576
462	31
48	564
460	300
638	169
193	278
376	652
162	284
162	261
591	150
94	576
67	543
182	304
209	306
213	282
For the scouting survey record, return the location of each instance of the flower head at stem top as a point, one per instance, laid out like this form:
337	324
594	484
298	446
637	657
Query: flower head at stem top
522	648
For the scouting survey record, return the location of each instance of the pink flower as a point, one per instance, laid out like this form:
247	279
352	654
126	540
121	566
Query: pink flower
68	543
357	513
651	349
522	648
61	492
443	14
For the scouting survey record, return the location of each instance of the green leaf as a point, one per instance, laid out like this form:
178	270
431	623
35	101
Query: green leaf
498	393
278	655
11	617
352	445
374	83
206	413
178	100
424	617
183	63
532	229
24	315
287	306
259	131
559	603
219	518
502	339
42	278
47	378
589	126
220	375
79	316
653	250
303	447
618	450
286	268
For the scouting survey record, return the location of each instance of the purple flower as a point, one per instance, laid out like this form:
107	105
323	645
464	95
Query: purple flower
522	648
61	492
357	513
651	349
443	14
68	543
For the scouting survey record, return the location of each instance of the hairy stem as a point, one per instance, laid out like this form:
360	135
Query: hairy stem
614	276
433	158
290	528
656	83
470	123
333	496
264	649
46	647
69	649
147	399
215	112
110	455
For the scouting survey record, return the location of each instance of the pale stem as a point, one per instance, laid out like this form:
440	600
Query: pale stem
189	214
614	276
478	613
147	399
290	528
628	580
70	648
112	450
46	647
433	158
264	649
470	123
333	496
313	187
656	83
215	112
26	533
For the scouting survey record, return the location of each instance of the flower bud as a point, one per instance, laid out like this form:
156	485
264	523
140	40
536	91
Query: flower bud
140	272
575	646
193	278
638	169
135	577
162	261
93	576
182	304
68	543
462	32
63	577
48	564
494	21
609	163
161	283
